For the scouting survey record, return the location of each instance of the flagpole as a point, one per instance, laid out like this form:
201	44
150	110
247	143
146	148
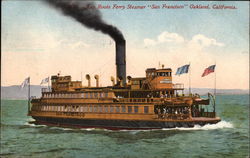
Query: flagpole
189	78
214	87
48	84
29	96
81	76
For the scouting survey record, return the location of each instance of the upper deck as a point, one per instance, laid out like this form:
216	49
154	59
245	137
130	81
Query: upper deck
157	82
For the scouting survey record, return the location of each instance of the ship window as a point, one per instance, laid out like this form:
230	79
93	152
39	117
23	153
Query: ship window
106	95
145	109
96	95
95	108
100	108
111	108
85	108
106	108
90	108
117	108
129	109
136	109
101	94
123	109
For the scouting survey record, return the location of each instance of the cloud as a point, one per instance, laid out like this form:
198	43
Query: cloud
79	44
170	37
164	37
197	42
200	41
73	44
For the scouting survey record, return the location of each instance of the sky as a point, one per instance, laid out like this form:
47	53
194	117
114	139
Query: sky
39	41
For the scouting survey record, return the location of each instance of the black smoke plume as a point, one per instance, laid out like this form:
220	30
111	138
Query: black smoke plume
86	14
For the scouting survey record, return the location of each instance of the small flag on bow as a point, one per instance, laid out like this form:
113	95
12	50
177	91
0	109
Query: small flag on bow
46	80
208	70
25	82
182	70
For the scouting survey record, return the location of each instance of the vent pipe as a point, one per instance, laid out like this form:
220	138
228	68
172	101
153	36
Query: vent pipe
89	80
112	80
97	80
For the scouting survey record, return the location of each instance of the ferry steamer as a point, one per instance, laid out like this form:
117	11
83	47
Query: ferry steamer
150	102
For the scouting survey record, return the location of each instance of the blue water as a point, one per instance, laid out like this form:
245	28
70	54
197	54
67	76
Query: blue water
229	138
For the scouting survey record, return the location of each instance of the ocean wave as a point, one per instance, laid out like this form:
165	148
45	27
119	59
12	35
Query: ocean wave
33	125
219	125
30	119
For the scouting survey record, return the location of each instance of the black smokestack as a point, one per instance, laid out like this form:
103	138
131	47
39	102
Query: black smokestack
121	61
89	16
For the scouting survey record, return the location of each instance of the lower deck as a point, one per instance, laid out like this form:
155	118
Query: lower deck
123	124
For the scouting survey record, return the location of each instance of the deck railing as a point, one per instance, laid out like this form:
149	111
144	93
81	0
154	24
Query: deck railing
178	85
46	90
208	114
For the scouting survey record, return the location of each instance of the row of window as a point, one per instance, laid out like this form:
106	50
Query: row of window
159	74
76	95
92	108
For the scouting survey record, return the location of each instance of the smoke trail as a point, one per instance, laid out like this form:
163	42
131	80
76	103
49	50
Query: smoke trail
90	17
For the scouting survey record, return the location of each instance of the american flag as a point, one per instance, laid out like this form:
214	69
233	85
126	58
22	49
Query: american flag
208	70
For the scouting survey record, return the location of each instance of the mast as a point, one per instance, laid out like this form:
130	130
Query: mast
81	76
29	95
214	87
189	78
48	84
